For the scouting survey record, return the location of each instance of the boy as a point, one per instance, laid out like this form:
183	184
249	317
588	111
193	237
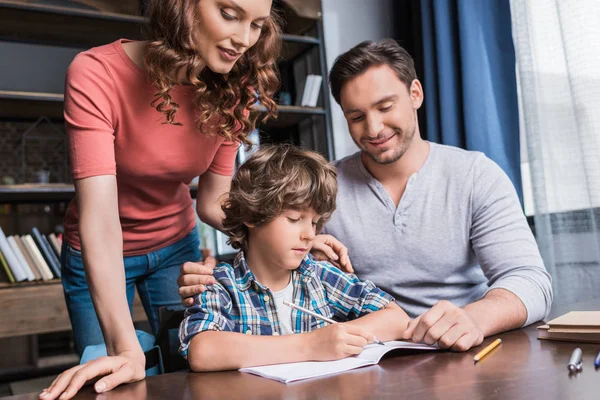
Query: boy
279	199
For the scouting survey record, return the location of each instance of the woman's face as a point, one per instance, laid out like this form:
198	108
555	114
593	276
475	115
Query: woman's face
225	29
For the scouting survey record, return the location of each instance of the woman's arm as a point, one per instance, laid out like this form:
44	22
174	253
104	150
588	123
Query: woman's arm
211	189
102	250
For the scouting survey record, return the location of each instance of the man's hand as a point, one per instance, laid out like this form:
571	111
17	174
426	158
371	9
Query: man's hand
448	325
126	367
194	277
337	341
328	248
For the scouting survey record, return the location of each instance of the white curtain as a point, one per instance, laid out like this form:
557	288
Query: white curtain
557	44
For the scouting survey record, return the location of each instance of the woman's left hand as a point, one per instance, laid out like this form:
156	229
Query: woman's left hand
328	248
114	370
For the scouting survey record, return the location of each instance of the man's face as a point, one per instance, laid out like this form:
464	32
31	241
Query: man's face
381	113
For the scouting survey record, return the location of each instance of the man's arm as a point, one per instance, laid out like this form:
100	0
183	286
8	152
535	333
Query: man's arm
498	311
460	329
520	288
507	253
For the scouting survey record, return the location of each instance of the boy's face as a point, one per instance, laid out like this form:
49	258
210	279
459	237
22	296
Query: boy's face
285	240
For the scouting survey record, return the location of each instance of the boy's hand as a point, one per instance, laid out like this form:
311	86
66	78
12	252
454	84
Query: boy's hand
328	248
193	279
337	341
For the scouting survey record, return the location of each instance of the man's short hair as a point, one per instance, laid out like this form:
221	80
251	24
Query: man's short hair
369	54
274	179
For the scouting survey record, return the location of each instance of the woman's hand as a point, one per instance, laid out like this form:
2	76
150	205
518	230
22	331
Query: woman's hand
126	367
328	248
194	277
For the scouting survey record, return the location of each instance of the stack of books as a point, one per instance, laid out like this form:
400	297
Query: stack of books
576	326
29	257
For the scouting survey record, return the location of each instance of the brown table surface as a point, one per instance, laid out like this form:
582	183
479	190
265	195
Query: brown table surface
523	367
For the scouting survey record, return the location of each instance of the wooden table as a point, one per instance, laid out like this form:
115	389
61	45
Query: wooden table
523	367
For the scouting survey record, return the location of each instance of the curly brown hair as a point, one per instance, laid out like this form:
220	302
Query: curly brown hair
222	99
274	179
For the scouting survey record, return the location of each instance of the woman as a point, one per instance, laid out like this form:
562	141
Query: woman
143	119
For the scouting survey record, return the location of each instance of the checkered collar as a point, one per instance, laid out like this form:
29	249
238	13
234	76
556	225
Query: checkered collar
245	277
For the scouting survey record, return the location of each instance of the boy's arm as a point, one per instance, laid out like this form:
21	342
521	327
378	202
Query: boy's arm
218	350
387	324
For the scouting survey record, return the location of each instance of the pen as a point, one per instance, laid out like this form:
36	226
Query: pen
597	360
319	316
487	350
575	362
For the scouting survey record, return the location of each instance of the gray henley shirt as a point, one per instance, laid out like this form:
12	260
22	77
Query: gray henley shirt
457	233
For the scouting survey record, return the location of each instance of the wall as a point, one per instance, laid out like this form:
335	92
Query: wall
347	23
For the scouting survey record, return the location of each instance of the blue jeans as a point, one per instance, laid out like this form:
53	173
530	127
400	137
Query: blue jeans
154	274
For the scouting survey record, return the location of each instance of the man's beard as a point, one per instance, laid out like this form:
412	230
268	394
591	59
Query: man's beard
397	152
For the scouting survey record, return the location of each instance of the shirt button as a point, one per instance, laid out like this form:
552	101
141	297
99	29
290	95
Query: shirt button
266	297
248	332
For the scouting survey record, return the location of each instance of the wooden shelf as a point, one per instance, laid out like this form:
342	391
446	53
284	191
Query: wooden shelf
32	105
64	26
45	193
291	115
5	285
36	193
75	27
295	45
39	307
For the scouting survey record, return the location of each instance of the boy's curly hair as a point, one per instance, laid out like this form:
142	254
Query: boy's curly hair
274	179
222	100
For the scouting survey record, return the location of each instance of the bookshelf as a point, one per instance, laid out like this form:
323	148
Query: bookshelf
30	105
36	308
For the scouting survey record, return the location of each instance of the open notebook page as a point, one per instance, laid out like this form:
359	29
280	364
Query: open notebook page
371	355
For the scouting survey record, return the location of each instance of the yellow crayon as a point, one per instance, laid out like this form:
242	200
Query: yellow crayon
489	348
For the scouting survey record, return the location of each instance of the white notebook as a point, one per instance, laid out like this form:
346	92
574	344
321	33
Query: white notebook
311	369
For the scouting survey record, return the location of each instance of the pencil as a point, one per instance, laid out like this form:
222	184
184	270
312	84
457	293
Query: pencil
486	351
319	316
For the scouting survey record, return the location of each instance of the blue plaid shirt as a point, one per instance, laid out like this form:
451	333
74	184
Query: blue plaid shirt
237	302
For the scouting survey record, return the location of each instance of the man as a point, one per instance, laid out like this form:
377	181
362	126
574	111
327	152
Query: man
439	228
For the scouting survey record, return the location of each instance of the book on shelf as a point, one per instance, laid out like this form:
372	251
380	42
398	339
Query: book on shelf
37	257
371	355
575	326
315	90
27	257
14	265
46	251
56	244
7	276
310	94
20	258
